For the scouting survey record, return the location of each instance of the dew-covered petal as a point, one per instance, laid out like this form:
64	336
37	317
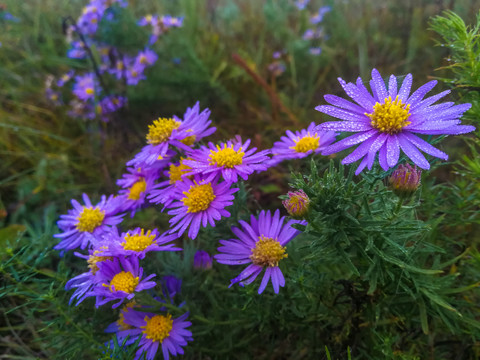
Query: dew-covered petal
425	146
392	150
413	153
349	141
405	88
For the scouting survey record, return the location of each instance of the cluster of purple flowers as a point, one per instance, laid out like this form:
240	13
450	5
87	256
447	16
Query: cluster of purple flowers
91	100
196	183
315	33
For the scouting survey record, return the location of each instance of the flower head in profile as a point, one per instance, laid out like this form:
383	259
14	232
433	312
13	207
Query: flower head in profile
165	133
202	260
120	279
85	224
389	120
84	283
262	244
138	242
156	330
301	143
228	159
135	184
199	202
164	191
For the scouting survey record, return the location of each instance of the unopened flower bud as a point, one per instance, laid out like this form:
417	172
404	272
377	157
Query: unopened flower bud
202	260
405	180
297	204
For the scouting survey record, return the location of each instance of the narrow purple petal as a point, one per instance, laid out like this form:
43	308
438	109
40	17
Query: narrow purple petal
412	152
393	150
425	146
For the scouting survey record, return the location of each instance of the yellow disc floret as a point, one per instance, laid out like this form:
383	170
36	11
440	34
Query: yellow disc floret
123	281
177	171
161	130
138	242
137	189
198	197
226	156
390	117
89	219
89	91
158	327
306	143
267	252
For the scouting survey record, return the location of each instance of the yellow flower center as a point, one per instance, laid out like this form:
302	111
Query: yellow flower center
390	117
177	171
89	219
89	91
123	281
158	327
189	140
227	157
267	252
148	18
161	130
307	143
138	242
119	65
137	189
134	73
143	59
94	259
198	197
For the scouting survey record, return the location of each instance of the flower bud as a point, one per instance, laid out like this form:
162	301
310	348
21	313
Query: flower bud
297	204
405	180
202	260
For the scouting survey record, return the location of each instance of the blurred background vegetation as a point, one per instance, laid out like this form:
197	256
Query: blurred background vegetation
219	57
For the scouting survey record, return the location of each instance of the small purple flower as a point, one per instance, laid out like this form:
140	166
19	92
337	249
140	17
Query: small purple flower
276	68
229	160
53	96
146	58
77	50
171	286
301	4
315	51
65	78
134	74
262	245
308	34
148	20
85	87
202	260
386	121
109	105
84	224
318	17
199	202
301	143
91	16
120	279
156	330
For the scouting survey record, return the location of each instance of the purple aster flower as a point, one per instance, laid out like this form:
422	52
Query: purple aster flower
315	51
301	143
202	260
164	192
136	184
318	17
53	96
134	74
109	105
301	4
91	16
169	21
262	245
156	330
146	58
77	50
199	202
65	78
148	20
171	286
137	242
120	324
82	110
85	87
83	224
386	121
174	131
120	279
308	34
228	159
405	180
297	204
277	68
85	282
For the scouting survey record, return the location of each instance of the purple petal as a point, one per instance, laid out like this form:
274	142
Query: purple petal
349	141
425	146
349	126
405	88
378	86
393	151
412	152
392	86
